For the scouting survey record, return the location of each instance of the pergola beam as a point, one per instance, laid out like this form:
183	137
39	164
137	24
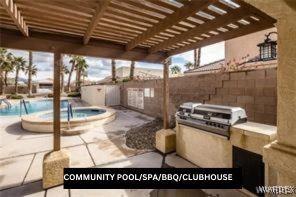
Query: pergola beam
241	31
72	45
189	9
262	14
15	15
201	29
103	5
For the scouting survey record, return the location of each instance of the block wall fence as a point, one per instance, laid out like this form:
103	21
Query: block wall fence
254	90
22	89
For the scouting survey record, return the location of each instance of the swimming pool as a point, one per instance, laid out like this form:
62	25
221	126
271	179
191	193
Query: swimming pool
32	107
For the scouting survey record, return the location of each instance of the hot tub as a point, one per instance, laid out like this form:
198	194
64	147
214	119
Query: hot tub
84	118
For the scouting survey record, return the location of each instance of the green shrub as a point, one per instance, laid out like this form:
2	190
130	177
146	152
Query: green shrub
126	79
31	96
50	95
74	94
14	96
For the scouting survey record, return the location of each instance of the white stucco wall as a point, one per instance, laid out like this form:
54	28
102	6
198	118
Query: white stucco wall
101	95
93	95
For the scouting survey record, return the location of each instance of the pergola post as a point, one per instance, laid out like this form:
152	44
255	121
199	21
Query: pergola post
113	70
56	102
165	139
166	95
54	162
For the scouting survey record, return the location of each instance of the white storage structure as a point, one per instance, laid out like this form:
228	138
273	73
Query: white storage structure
101	95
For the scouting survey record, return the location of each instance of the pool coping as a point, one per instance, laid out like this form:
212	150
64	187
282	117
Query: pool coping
35	119
33	123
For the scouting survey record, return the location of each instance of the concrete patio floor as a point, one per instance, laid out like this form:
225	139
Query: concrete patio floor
22	154
150	159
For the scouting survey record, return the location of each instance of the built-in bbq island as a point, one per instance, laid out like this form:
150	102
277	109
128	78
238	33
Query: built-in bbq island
214	136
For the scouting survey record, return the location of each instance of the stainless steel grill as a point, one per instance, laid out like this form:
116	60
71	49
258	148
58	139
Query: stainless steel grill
211	118
186	109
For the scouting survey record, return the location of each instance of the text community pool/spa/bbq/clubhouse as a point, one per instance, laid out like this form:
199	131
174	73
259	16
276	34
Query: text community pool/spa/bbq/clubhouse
140	178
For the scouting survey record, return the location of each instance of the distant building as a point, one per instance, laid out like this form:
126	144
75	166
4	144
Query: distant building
139	74
45	86
213	67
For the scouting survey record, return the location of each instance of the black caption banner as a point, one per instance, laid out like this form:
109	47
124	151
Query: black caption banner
152	178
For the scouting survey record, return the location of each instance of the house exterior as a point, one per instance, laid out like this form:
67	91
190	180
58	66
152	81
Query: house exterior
139	73
240	57
235	50
213	67
45	86
142	73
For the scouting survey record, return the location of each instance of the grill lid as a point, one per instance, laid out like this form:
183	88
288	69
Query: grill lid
219	113
188	107
212	118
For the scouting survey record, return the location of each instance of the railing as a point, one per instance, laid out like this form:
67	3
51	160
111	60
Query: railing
69	113
23	102
6	102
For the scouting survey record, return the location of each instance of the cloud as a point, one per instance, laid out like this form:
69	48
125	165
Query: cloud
212	53
209	54
43	61
100	68
148	65
183	57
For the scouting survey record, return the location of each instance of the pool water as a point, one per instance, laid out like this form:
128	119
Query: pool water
77	113
32	106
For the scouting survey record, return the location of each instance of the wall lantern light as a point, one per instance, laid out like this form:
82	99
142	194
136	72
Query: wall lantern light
267	48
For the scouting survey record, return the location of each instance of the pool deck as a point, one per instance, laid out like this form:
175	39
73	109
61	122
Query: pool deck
21	155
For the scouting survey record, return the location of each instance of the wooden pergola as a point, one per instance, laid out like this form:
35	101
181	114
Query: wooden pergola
137	30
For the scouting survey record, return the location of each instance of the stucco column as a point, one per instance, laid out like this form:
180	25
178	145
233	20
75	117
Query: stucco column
281	154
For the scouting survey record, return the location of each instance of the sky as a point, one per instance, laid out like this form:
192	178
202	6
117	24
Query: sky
100	68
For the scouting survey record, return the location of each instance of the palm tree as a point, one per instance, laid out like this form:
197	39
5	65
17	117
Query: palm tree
84	74
197	57
132	70
175	69
189	65
2	54
19	64
73	62
113	64
64	71
2	60
81	67
6	66
30	70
